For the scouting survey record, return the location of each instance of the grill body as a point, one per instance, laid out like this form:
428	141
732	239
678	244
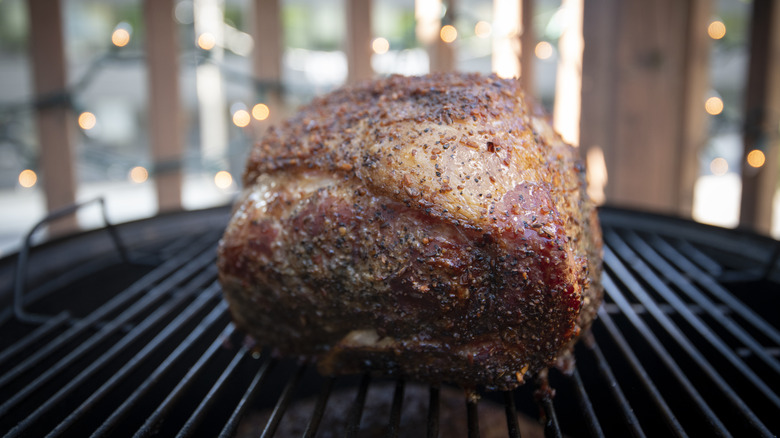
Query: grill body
137	341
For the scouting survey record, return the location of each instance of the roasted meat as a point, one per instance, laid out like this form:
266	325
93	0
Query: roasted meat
433	227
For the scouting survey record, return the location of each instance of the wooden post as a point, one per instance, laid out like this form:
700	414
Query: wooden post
162	54
637	93
267	56
358	40
693	137
762	117
55	118
527	44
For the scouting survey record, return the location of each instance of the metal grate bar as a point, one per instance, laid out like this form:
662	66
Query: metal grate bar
230	427
511	415
119	413
162	410
587	407
694	294
614	387
706	263
87	373
134	310
432	425
283	402
639	292
34	336
709	283
319	408
472	414
612	290
183	318
197	416
180	273
639	370
395	411
356	412
551	427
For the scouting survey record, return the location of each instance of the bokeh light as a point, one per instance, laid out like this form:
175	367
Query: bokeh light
139	174
756	158
483	29
716	30
719	166
207	41
87	120
714	105
448	33
120	37
223	179
27	178
380	46
241	118
261	111
543	50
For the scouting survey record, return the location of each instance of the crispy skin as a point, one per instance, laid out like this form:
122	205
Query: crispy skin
432	226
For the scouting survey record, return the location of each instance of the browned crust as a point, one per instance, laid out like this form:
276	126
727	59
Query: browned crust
431	226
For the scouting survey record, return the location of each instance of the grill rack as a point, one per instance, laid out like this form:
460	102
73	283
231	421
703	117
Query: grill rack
673	352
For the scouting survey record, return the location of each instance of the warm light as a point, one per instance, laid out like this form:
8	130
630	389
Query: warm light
27	178
483	29
223	179
714	105
120	37
543	50
716	30
719	166
261	111
596	174
87	120
241	118
207	41
380	46
756	158
139	174
448	33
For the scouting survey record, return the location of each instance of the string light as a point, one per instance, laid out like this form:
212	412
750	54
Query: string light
241	118
27	178
207	41
223	179
483	29
543	50
448	33
719	166
716	30
139	174
380	46
87	120
120	37
756	158
714	105
261	111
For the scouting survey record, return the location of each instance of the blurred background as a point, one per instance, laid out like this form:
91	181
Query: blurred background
153	105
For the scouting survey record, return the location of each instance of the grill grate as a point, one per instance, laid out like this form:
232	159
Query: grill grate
686	344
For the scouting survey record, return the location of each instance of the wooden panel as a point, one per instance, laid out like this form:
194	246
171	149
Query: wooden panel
635	89
267	58
762	116
55	119
527	44
165	133
358	40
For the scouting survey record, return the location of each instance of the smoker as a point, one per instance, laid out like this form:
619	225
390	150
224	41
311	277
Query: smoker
122	331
